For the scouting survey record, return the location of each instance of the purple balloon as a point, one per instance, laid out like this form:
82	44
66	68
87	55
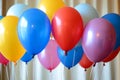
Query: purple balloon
48	57
98	39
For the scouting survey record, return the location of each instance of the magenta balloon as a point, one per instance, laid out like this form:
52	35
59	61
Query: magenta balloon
3	60
48	57
98	39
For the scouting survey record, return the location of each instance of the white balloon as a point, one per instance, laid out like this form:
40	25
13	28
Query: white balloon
87	12
17	10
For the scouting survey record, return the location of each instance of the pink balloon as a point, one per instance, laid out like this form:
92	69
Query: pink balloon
3	60
48	57
98	39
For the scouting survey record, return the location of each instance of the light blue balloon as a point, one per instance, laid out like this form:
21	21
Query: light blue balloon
1	17
114	19
87	12
27	57
34	30
72	58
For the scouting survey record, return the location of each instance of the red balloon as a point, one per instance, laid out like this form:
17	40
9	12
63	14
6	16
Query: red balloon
3	60
67	27
112	55
85	62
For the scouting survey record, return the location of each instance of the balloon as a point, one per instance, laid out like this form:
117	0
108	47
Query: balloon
114	19
3	60
27	57
72	58
50	7
85	62
48	57
112	55
98	39
34	31
1	17
17	10
10	46
67	28
87	12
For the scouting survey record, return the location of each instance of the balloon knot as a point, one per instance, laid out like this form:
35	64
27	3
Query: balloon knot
103	64
65	53
33	56
26	63
94	65
69	68
50	70
85	70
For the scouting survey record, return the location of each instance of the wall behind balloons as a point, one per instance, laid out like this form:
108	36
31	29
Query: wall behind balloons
102	6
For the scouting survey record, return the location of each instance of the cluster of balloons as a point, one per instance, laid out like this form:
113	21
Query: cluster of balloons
80	36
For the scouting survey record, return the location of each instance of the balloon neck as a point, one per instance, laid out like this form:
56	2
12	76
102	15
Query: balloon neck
85	70
50	70
66	53
69	68
4	65
33	56
94	65
15	63
26	63
103	64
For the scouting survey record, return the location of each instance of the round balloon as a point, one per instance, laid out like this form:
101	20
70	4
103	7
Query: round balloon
112	55
114	19
85	62
34	31
17	10
67	27
72	58
50	7
3	60
27	57
48	57
87	12
98	39
10	45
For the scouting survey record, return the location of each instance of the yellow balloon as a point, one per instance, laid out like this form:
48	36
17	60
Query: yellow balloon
10	45
50	6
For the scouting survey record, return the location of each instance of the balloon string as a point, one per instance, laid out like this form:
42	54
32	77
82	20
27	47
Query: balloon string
1	72
26	72
7	72
14	71
73	58
101	73
91	72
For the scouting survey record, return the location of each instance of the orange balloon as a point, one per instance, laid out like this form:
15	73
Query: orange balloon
85	62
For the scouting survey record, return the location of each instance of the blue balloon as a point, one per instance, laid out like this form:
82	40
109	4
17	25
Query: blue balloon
27	57
34	30
72	58
1	17
114	19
